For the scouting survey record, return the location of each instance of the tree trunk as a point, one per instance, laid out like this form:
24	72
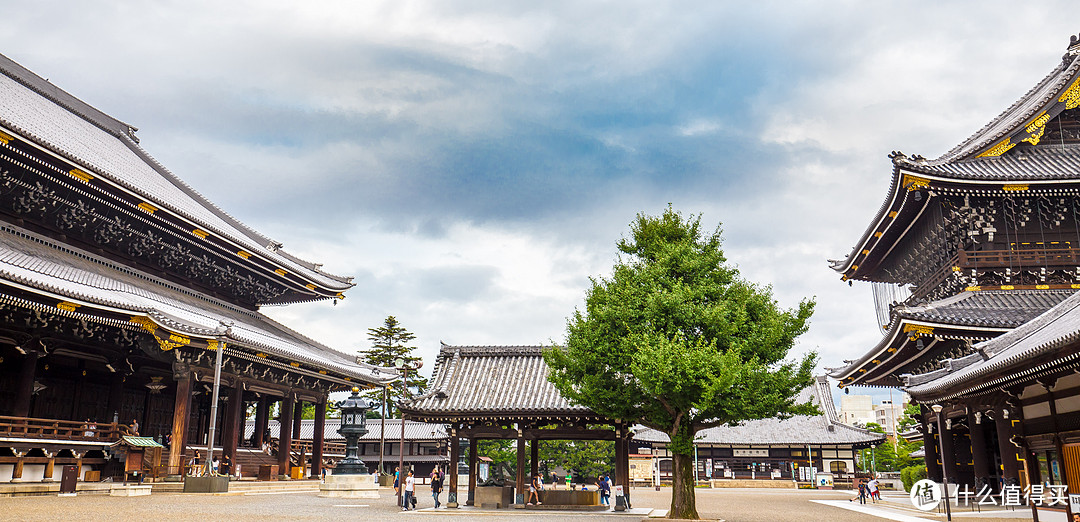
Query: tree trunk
683	502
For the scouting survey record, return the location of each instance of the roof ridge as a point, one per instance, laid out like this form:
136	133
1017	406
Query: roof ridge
1068	62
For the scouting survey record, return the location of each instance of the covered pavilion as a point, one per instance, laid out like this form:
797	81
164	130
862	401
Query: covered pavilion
502	392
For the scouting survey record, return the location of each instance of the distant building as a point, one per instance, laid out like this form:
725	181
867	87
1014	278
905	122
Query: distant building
888	415
857	410
777	449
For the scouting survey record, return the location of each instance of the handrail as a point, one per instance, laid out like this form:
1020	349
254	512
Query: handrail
1020	258
29	427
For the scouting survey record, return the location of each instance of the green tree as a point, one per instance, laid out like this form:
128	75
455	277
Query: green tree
910	418
390	342
676	340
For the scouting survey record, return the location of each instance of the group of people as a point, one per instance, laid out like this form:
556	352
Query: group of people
868	489
603	485
217	466
406	489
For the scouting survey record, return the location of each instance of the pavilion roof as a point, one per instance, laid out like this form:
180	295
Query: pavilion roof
972	315
61	123
77	282
491	382
1050	339
800	429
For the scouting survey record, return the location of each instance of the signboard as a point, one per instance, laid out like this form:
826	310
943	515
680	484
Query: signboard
751	452
1074	503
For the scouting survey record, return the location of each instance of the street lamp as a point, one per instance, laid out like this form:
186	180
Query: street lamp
353	426
403	366
941	451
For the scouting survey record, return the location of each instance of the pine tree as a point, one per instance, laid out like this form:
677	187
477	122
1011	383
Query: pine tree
390	342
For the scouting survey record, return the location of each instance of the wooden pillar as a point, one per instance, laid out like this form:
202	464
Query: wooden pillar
534	459
298	414
24	391
979	460
181	412
455	452
234	424
472	470
930	446
1010	457
50	467
318	438
285	434
948	450
17	471
262	420
519	492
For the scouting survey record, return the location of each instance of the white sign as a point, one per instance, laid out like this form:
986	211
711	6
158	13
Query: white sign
1074	503
618	491
751	452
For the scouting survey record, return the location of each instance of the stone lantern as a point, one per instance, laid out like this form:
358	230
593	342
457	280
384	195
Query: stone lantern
351	478
353	421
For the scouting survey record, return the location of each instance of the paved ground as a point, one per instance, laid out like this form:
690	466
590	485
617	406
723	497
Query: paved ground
733	505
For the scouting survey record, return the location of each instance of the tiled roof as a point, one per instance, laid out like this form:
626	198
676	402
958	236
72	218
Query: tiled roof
1020	112
1053	330
1049	162
997	308
42	264
991	309
56	120
414	431
800	429
490	380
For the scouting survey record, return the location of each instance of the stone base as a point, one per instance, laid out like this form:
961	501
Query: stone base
206	484
129	491
349	486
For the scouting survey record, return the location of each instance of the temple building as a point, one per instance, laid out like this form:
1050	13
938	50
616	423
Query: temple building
119	286
789	449
975	260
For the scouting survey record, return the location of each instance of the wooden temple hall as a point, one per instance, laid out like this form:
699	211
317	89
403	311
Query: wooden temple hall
502	392
974	258
119	284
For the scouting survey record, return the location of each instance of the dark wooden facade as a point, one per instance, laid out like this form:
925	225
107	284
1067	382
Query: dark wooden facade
986	242
119	284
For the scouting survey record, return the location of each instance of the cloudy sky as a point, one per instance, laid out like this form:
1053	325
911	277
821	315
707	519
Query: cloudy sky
473	163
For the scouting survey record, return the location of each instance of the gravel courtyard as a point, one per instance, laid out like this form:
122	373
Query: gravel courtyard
733	505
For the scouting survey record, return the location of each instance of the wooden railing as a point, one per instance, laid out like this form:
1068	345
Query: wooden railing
26	427
333	449
1026	258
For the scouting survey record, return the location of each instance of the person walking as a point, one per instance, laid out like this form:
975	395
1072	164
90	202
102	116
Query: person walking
872	486
554	480
862	493
436	485
605	491
410	487
397	482
534	491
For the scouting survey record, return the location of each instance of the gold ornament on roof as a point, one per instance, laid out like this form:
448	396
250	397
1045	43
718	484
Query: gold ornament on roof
1071	96
913	183
999	149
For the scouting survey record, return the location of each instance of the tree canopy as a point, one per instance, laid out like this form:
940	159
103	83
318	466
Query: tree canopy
388	343
676	340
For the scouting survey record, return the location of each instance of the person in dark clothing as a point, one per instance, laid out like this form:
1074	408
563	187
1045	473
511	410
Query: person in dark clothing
436	485
862	493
